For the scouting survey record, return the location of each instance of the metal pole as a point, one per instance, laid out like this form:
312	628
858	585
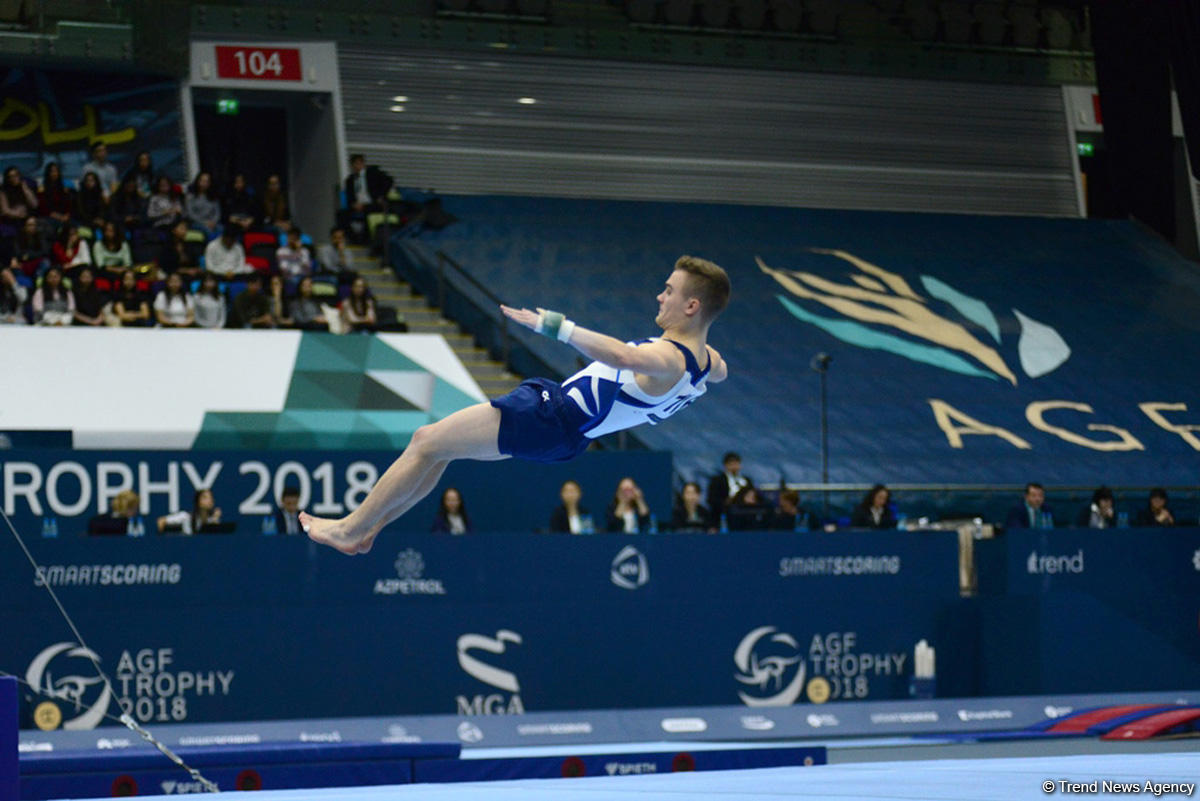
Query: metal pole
820	364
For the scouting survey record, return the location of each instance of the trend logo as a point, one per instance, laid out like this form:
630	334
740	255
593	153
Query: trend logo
880	310
630	569
70	688
489	674
767	672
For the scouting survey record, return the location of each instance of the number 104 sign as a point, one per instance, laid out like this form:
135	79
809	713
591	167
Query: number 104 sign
259	63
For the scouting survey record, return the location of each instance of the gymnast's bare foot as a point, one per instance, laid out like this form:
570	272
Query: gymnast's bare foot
334	534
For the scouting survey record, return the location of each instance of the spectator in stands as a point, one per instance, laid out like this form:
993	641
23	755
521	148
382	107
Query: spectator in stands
627	511
201	206
241	207
127	207
1033	512
366	191
163	209
874	510
1156	512
204	512
279	303
1100	514
452	517
32	252
55	203
304	311
336	257
89	302
129	304
274	205
112	252
287	516
104	171
70	251
725	485
293	258
570	517
91	204
174	307
788	514
689	514
52	303
208	305
358	309
17	200
177	254
142	173
252	309
12	298
225	257
748	511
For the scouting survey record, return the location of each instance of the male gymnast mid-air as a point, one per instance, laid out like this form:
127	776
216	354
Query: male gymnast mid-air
627	384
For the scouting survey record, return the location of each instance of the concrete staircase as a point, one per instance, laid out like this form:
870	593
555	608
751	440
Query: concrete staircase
492	376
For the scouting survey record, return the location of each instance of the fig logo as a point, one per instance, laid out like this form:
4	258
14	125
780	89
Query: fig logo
468	732
763	658
630	569
495	703
70	688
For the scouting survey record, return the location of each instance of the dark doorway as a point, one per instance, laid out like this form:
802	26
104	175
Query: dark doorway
252	142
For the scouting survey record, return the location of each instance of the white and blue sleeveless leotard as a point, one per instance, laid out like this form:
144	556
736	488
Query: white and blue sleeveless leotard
544	421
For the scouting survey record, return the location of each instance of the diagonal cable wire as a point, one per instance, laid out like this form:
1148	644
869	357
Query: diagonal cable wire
125	718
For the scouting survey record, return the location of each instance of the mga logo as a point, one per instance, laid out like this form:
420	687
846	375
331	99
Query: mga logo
630	569
772	662
410	567
492	703
87	696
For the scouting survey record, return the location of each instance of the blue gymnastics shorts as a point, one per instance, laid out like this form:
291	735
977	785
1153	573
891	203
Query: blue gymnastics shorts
540	425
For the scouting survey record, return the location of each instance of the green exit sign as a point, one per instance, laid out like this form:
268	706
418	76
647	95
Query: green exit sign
227	105
1086	149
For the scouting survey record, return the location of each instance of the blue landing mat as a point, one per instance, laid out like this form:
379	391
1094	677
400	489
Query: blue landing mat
948	780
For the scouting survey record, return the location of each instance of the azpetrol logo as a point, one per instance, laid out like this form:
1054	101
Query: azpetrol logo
764	667
70	687
630	569
880	310
410	567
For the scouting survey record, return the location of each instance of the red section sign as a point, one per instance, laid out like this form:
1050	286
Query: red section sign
259	63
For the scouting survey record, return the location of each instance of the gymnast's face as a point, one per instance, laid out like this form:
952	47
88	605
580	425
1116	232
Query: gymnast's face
674	304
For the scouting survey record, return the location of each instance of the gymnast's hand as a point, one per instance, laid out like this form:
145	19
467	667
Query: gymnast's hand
525	317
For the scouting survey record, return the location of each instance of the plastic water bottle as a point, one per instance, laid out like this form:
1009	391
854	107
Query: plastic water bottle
1122	519
136	527
49	527
268	526
724	524
1047	520
800	522
977	532
653	525
902	522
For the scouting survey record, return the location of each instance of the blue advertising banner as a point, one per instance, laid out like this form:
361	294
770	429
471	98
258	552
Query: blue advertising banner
1091	610
201	629
965	349
56	492
55	115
